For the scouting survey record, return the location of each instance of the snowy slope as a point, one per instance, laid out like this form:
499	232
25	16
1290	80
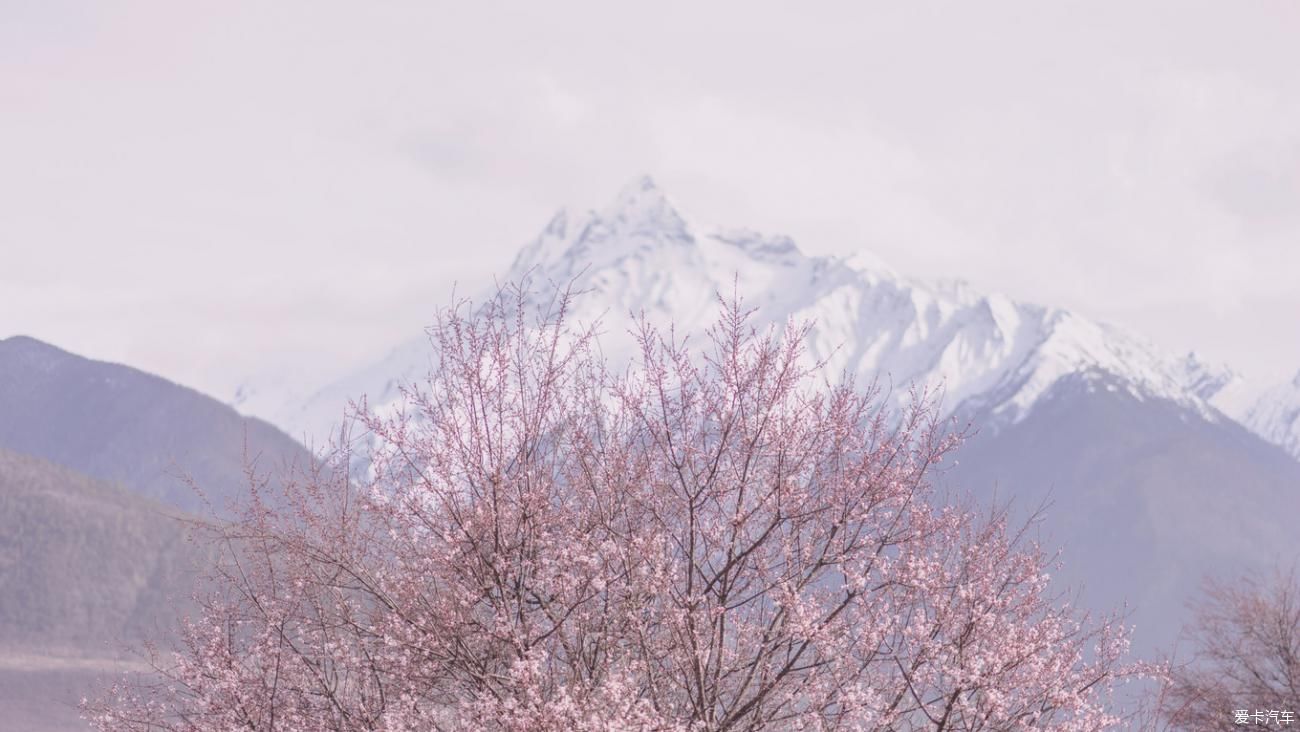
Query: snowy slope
1275	416
990	354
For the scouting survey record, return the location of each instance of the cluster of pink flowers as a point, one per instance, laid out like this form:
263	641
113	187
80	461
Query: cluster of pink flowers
712	541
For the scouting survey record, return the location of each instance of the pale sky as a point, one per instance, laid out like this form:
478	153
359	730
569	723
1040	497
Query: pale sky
209	190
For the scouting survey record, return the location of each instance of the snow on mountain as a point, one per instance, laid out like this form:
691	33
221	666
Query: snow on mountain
989	353
1275	416
1208	382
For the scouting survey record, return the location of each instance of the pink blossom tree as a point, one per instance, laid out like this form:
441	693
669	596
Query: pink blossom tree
1245	643
713	540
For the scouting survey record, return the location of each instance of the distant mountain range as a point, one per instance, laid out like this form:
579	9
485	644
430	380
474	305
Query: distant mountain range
1157	468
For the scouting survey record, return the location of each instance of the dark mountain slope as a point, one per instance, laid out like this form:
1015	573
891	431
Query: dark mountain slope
86	569
85	564
1146	497
123	425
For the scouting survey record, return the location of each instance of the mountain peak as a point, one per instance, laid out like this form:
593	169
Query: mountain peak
32	352
642	207
641	187
25	341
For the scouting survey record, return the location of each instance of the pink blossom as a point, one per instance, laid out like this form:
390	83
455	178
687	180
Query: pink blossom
712	541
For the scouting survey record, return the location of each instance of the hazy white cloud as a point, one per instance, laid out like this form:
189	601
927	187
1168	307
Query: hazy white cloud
209	189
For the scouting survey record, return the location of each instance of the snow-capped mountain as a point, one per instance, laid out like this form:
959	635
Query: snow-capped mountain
988	353
1137	452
